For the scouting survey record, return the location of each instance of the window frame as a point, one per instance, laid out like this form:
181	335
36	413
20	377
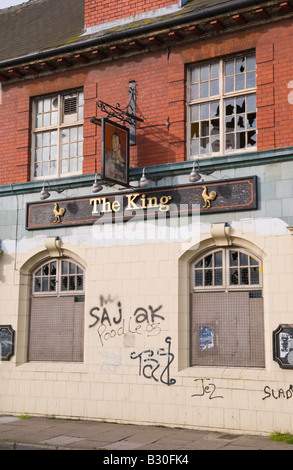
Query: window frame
220	322
58	127
220	97
58	292
226	286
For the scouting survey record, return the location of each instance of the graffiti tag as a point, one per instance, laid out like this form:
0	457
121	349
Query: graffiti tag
150	366
208	389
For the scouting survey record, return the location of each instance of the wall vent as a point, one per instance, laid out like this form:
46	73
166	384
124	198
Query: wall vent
69	108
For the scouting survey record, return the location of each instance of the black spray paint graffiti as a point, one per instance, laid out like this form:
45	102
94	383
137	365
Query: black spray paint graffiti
280	393
111	322
150	366
209	389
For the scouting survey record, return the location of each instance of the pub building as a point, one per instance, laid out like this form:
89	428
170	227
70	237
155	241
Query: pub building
146	219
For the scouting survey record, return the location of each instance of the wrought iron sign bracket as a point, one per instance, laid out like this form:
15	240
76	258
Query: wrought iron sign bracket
117	113
124	115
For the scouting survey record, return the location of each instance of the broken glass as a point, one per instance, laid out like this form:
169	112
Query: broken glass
251	139
244	276
215	126
240	105
194	147
204	145
230	124
251	120
215	144
234	276
194	130
215	109
208	261
240	65
208	277
240	140
205	127
240	122
229	107
230	142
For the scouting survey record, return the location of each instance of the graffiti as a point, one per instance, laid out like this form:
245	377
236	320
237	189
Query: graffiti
110	321
209	389
150	366
279	393
113	362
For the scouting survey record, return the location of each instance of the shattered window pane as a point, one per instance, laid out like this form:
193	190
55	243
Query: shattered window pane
235	126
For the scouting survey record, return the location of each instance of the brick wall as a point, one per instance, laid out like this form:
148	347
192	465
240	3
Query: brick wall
275	72
161	84
97	12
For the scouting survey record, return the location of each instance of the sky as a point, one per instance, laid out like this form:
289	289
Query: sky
10	3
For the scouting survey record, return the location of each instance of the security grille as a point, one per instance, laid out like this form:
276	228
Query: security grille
56	331
227	311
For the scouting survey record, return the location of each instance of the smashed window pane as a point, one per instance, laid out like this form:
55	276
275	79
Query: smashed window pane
239	111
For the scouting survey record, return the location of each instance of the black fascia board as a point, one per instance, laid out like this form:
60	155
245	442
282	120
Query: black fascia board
128	34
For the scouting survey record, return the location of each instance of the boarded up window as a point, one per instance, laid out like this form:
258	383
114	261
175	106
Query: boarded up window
56	331
226	323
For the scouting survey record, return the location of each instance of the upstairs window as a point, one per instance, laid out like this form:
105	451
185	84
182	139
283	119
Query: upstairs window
222	107
57	140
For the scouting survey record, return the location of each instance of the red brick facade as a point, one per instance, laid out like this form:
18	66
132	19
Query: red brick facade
160	78
103	12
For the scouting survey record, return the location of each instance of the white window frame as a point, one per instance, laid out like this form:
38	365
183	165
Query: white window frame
226	285
58	292
58	127
221	97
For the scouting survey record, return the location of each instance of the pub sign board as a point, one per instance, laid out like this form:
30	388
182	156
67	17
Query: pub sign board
115	152
6	342
203	198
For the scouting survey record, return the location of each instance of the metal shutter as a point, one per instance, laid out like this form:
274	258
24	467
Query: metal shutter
227	329
56	330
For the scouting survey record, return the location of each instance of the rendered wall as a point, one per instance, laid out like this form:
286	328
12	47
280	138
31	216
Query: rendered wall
150	279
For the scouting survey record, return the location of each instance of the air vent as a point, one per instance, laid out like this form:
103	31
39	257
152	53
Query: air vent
69	108
70	104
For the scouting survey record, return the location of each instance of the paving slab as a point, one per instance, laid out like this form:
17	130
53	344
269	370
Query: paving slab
41	433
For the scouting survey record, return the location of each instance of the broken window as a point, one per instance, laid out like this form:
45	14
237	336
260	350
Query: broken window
226	322
222	102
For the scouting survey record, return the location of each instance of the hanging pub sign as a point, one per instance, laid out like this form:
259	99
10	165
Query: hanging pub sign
168	201
6	342
115	152
283	346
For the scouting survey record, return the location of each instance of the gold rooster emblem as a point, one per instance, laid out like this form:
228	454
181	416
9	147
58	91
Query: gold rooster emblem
208	197
58	213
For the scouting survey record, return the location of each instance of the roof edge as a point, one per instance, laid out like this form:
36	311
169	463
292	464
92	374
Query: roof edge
145	29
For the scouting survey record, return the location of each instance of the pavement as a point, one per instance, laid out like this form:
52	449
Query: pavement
114	440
